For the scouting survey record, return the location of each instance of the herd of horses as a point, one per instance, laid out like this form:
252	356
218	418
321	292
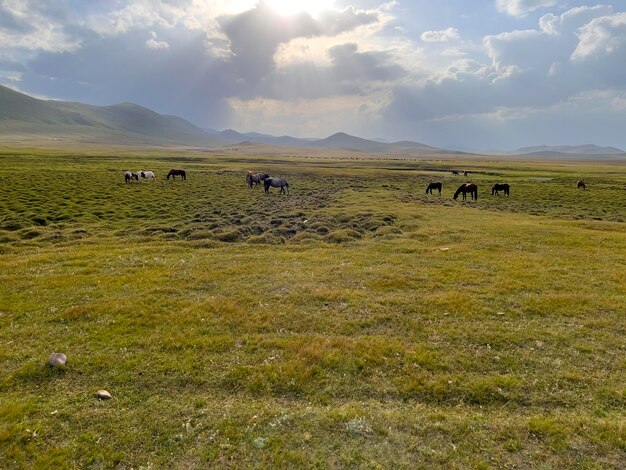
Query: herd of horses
252	178
472	188
130	176
255	179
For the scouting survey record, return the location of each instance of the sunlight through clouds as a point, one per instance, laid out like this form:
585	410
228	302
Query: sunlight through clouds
394	69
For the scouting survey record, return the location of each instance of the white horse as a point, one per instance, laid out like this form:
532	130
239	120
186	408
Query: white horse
148	175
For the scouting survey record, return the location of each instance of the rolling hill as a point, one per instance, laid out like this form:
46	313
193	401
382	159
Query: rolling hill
24	117
563	150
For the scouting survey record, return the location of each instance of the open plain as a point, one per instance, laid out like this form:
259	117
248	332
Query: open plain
356	322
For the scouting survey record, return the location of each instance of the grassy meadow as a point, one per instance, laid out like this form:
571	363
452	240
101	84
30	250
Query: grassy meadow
357	322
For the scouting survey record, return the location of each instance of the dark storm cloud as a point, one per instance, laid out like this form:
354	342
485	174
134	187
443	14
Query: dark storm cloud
349	64
183	79
255	35
350	73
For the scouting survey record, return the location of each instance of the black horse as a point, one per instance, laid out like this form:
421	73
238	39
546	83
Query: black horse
276	183
174	173
454	172
500	187
432	186
467	188
129	176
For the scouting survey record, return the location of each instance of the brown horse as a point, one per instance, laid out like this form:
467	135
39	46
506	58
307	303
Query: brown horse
255	178
432	186
500	187
174	173
581	184
467	188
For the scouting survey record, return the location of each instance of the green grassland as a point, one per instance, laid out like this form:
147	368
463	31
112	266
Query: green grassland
357	322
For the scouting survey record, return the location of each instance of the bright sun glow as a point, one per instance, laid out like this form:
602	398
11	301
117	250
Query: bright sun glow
291	7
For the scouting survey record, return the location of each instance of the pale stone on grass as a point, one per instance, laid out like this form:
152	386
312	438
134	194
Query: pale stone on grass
103	395
57	359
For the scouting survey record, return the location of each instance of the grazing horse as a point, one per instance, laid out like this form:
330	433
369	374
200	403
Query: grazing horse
581	184
465	173
432	186
467	188
249	176
255	178
276	183
129	176
454	172
148	175
175	173
500	187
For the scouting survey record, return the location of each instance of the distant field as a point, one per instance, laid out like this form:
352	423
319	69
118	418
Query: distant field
356	322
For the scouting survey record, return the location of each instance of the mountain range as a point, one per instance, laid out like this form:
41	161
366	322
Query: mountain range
557	150
27	119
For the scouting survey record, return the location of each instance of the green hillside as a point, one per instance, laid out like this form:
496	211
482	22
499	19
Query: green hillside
22	116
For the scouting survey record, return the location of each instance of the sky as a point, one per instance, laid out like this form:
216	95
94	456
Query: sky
479	75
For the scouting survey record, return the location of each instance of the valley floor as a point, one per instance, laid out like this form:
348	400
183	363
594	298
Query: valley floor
357	322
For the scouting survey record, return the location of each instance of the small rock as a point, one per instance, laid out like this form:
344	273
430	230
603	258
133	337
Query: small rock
103	395
500	313
57	359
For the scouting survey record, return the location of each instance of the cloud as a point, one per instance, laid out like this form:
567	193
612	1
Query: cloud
534	68
601	37
187	77
300	117
570	21
332	23
348	72
521	8
254	35
239	63
351	65
153	43
440	36
30	25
